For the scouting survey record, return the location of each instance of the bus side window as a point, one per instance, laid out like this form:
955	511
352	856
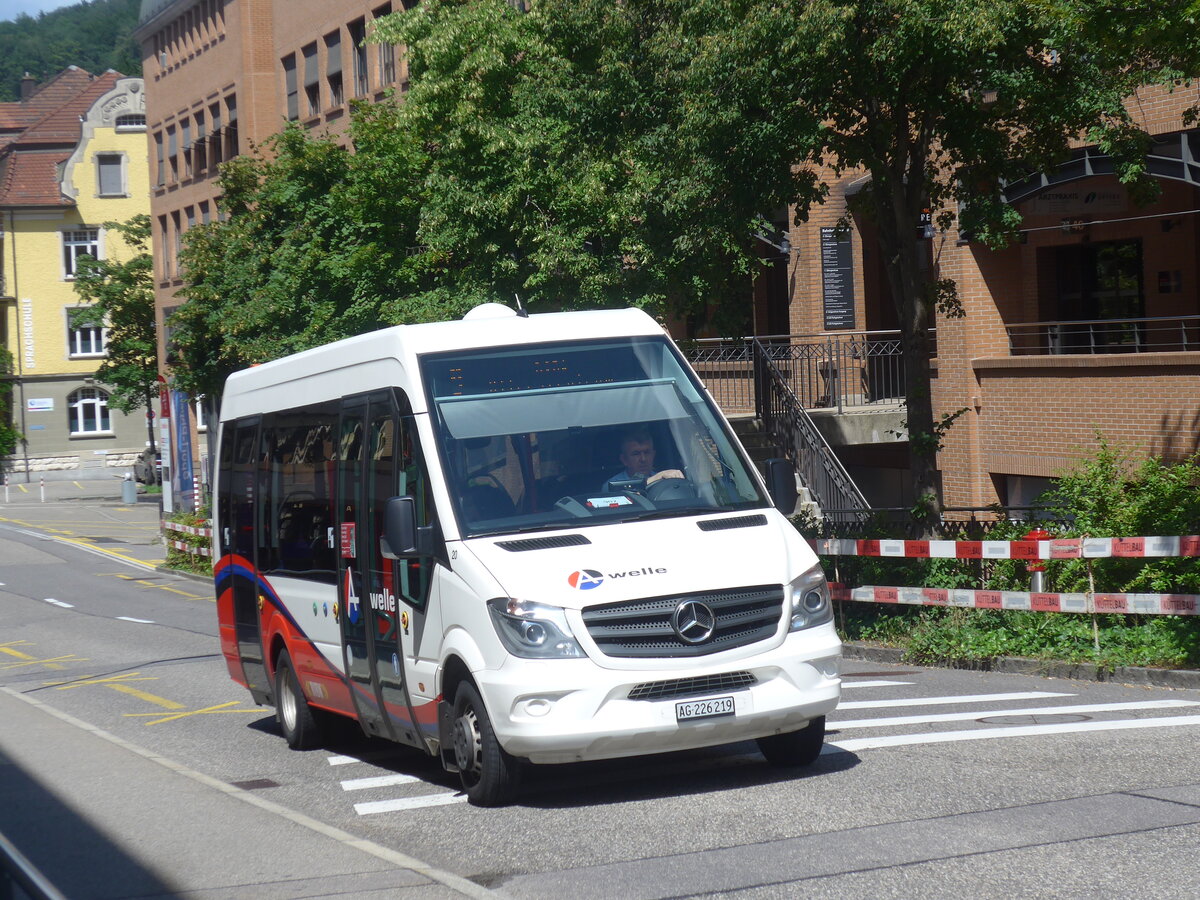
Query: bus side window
411	481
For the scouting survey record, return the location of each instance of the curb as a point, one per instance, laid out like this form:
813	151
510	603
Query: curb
1180	679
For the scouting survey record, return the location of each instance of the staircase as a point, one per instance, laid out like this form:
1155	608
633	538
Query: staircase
761	446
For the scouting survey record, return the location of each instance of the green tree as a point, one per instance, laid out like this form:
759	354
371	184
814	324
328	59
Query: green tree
9	435
940	102
559	168
318	244
121	297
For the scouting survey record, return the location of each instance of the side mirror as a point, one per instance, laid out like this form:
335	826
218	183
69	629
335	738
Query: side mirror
781	482
400	529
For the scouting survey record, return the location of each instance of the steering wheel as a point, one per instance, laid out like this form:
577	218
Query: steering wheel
671	489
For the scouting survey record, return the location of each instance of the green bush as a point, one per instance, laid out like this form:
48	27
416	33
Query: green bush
1109	495
181	559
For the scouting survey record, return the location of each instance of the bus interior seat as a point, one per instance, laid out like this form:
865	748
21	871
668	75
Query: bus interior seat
482	502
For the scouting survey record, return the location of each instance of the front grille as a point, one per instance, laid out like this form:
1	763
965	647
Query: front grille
738	522
544	543
692	687
643	628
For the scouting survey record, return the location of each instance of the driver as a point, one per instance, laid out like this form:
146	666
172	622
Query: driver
637	455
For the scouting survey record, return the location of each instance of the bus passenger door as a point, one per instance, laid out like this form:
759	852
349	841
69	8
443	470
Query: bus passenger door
238	542
420	616
356	637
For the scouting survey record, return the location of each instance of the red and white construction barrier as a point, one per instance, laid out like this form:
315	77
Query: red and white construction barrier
1057	548
1144	604
190	548
198	530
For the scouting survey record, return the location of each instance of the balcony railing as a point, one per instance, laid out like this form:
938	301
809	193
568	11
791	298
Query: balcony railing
1091	336
828	371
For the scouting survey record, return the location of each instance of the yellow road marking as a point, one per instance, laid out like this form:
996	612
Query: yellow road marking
143	695
22	489
7	648
77	484
208	710
52	662
99	679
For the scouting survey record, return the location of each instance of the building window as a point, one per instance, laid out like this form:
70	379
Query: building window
131	122
158	151
200	148
89	411
214	113
312	79
84	339
110	174
358	37
172	158
387	52
164	236
77	243
291	87
186	129
231	130
333	68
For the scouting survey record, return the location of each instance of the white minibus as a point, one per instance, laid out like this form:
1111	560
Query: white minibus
514	539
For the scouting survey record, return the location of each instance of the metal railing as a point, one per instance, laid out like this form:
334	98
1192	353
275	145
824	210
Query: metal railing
20	879
786	420
1092	336
829	371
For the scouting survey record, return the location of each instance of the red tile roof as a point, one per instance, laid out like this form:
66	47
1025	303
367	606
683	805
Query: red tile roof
30	178
41	132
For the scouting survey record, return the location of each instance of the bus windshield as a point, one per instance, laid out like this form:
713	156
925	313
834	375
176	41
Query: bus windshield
580	433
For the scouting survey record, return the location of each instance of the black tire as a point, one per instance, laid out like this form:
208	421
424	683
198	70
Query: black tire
297	720
490	777
795	748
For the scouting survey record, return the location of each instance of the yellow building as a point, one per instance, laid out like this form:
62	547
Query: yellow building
72	157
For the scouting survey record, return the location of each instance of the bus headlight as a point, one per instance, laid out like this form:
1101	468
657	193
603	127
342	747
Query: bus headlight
810	600
533	630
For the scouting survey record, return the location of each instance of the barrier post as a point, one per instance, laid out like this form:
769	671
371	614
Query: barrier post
43	487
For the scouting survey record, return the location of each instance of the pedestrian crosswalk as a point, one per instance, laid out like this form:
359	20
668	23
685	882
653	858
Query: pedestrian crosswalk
863	721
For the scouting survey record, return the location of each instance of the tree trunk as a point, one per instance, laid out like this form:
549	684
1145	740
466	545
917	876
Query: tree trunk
899	218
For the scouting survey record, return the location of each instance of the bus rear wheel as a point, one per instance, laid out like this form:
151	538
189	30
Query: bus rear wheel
490	777
796	748
296	718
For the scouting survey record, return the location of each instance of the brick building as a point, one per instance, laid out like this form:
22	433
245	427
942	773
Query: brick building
221	77
1090	323
72	157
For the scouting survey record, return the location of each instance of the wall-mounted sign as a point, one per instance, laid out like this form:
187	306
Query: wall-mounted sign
39	404
1068	201
837	278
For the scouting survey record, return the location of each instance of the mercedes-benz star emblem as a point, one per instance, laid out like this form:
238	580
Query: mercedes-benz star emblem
694	621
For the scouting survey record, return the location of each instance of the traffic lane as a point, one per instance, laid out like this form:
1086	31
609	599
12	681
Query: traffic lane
638	809
918	858
70	577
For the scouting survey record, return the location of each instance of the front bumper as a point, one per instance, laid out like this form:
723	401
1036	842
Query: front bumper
573	710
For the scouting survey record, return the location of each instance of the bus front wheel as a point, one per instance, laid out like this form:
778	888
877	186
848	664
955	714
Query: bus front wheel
296	719
796	748
490	776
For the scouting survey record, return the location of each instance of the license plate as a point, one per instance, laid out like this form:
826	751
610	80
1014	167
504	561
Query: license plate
704	709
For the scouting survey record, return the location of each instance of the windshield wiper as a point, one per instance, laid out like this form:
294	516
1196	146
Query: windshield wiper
672	512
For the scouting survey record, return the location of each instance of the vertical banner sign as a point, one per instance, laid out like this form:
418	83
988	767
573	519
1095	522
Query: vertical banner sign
181	479
837	278
164	445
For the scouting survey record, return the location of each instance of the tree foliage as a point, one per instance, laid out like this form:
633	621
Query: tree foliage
121	297
590	153
318	244
9	435
95	36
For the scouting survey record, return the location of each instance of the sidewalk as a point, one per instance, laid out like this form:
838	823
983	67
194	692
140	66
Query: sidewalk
90	514
115	820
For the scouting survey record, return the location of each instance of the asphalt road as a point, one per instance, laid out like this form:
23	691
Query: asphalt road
934	783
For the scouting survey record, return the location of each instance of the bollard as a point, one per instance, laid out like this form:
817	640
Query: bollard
43	488
128	489
1037	570
6	487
